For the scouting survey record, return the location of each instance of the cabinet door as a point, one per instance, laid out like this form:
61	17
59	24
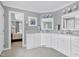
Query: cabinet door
75	46
56	41
64	44
67	40
37	40
61	45
48	40
43	39
53	40
30	41
33	40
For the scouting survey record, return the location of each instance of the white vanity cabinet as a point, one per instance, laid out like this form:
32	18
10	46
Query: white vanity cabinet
46	39
54	41
37	39
74	46
61	43
66	44
49	40
33	40
43	39
29	41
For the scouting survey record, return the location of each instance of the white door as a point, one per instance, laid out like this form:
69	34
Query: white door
1	29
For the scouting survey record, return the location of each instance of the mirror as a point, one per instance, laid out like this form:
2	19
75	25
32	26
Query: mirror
70	21
32	21
47	24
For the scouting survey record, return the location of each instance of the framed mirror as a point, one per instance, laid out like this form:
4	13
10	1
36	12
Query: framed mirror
70	21
47	24
32	21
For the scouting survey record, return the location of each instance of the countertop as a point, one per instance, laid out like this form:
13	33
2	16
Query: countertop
72	33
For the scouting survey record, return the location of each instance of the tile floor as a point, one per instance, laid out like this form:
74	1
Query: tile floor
18	51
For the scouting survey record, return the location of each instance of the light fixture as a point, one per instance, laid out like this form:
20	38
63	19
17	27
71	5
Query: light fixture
74	7
69	10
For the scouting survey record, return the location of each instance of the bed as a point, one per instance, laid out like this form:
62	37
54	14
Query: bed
16	36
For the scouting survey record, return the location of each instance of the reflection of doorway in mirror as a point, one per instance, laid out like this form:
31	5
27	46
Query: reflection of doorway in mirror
32	21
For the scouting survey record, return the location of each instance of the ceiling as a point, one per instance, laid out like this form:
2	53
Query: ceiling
37	6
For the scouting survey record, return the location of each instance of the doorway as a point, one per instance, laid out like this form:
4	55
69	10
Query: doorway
16	30
16	34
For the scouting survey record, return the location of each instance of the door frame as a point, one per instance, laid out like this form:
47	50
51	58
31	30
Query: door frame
9	30
2	29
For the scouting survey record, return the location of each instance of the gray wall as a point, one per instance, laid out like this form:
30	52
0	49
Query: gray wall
26	28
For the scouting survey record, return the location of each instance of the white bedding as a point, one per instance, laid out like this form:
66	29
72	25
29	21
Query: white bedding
16	36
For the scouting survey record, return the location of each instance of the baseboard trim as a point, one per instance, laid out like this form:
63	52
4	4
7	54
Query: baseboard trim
1	51
6	49
43	46
10	48
24	46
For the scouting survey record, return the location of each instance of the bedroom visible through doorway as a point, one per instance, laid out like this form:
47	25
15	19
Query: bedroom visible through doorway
16	30
16	34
